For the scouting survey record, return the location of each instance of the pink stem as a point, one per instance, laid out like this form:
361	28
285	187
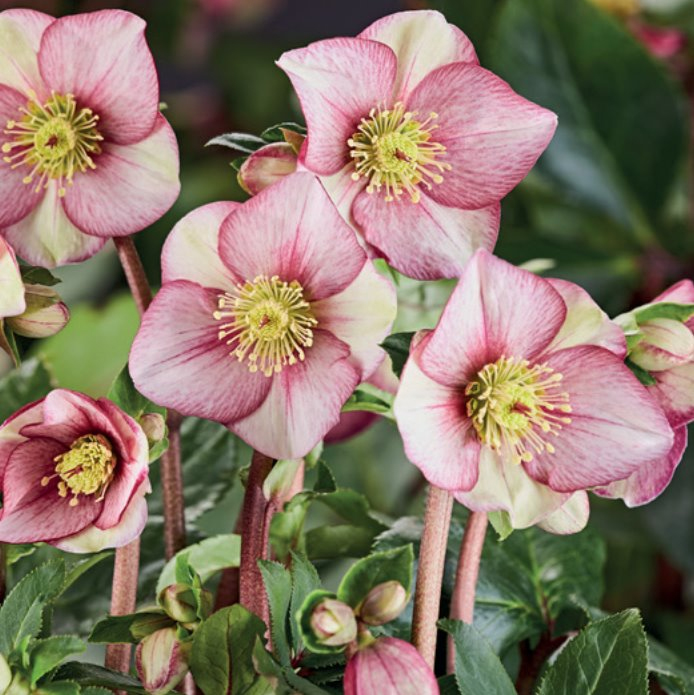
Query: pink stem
463	599
432	555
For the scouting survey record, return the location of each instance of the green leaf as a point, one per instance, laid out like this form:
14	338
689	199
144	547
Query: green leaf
205	558
477	668
377	568
643	375
274	133
33	275
242	142
278	586
124	394
305	579
76	570
91	675
397	346
60	688
325	480
48	653
669	668
368	398
117	629
664	310
343	540
448	685
608	657
30	382
93	690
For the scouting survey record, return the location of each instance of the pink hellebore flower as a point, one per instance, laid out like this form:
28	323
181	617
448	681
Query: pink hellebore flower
269	315
419	142
389	666
519	399
85	153
12	301
74	474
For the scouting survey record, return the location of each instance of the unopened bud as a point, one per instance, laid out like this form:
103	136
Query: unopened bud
147	623
179	603
5	675
666	343
333	623
18	686
154	427
162	661
266	166
45	313
383	603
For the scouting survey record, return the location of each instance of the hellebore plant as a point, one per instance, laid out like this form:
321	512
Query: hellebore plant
269	316
79	125
74	474
423	142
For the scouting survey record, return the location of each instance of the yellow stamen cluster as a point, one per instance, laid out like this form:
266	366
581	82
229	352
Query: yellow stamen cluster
514	407
621	8
54	141
268	323
394	152
85	469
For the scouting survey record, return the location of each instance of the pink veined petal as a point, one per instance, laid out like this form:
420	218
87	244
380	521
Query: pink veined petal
47	238
191	251
361	316
94	539
338	82
11	286
131	187
681	292
496	310
422	41
616	425
21	32
493	136
649	481
425	240
292	230
674	391
178	361
571	517
10	436
102	58
17	199
32	512
343	189
438	436
504	486
586	323
266	166
304	401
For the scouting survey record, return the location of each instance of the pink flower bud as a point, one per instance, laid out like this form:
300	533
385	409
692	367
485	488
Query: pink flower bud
383	603
45	313
266	166
389	666
333	623
666	344
179	603
154	427
162	661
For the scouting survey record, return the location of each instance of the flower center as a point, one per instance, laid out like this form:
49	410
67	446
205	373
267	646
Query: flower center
55	140
269	323
395	152
86	468
514	407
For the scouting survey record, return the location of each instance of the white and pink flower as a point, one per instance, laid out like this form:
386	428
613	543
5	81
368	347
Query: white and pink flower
74	474
12	301
85	153
416	141
269	316
519	399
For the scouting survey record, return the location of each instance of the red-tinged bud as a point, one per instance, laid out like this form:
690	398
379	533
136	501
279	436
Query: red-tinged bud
383	603
266	166
45	313
333	623
162	661
389	666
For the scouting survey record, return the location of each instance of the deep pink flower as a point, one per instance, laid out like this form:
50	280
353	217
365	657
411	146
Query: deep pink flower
419	143
662	42
269	315
87	155
389	666
74	474
519	399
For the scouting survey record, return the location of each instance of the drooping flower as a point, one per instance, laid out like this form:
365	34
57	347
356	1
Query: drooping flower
519	399
389	666
416	141
269	315
85	154
665	351
74	474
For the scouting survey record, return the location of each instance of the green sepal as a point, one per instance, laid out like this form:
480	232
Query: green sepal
397	345
640	373
664	310
368	398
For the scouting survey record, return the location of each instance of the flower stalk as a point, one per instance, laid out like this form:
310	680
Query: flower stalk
432	554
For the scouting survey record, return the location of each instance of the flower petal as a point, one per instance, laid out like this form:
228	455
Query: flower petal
438	436
304	401
47	238
425	240
10	436
102	58
361	316
681	292
586	323
12	300
338	82
495	310
571	517
422	41
266	166
131	187
492	135
674	391
191	251
21	32
178	361
292	230
616	426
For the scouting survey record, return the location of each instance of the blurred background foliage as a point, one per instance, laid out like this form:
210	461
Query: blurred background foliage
611	204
